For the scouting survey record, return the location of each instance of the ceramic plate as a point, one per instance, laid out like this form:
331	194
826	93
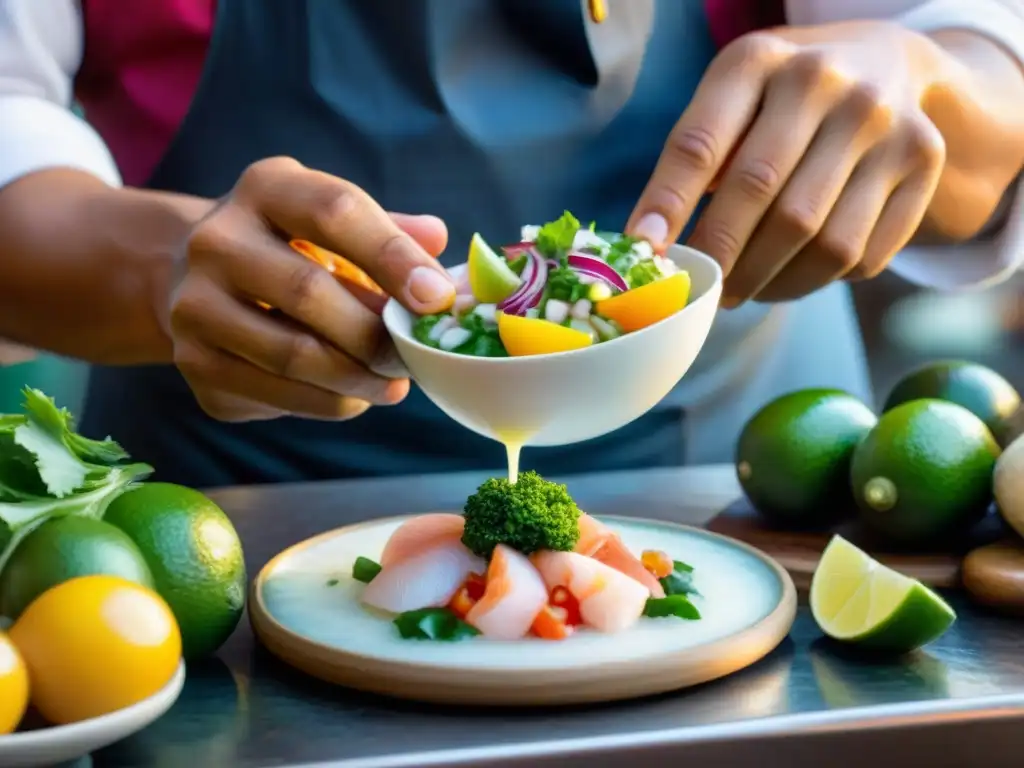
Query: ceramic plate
305	609
61	743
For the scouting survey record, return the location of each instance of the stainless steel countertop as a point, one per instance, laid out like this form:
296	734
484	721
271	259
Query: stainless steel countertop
808	703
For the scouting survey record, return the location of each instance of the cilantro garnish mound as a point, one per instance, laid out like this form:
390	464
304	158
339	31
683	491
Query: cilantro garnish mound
530	515
49	470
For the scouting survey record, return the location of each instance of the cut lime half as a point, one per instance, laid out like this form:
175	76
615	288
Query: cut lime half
855	599
490	277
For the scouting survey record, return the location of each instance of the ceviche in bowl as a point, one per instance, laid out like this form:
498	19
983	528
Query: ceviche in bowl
562	287
565	335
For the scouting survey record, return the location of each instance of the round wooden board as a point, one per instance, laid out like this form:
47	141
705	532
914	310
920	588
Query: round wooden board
305	609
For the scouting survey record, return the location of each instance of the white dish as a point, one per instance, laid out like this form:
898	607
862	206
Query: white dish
60	743
305	608
566	397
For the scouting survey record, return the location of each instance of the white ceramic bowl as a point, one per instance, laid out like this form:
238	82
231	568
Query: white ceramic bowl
566	397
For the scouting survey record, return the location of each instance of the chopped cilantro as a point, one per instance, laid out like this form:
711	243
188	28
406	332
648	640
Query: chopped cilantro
423	326
554	240
433	624
677	606
365	570
642	273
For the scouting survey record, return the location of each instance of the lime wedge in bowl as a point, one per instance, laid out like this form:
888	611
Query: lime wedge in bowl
855	599
490	277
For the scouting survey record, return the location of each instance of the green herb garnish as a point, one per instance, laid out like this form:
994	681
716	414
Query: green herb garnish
564	284
555	239
433	624
680	581
677	606
365	570
423	326
642	273
48	470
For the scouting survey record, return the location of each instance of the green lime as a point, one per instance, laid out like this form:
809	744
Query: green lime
490	277
195	556
793	456
856	599
925	472
980	390
61	549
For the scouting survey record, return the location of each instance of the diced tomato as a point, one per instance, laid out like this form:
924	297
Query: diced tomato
550	625
657	563
562	599
461	603
475	585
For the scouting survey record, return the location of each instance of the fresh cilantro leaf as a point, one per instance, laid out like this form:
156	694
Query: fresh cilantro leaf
677	606
433	624
365	570
554	240
680	581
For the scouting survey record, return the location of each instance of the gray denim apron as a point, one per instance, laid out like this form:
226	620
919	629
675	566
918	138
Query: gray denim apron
490	114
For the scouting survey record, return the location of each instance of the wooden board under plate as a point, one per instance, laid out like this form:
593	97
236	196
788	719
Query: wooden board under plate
799	551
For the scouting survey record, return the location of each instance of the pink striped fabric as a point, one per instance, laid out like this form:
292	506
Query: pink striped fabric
143	61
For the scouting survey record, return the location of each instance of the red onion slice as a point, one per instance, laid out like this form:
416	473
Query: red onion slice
527	295
597	268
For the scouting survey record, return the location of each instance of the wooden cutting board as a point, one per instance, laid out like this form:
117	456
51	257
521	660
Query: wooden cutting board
799	551
993	576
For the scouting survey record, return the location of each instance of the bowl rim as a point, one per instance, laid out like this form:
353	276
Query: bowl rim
392	307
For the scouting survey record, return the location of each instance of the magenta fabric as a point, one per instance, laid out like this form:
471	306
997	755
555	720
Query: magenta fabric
143	61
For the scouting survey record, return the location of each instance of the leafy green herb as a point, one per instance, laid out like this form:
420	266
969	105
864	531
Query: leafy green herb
680	581
365	570
642	273
554	240
677	606
485	341
48	470
433	624
423	326
564	284
620	254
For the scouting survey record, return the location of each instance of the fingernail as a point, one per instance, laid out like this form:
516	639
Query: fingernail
653	228
729	302
429	287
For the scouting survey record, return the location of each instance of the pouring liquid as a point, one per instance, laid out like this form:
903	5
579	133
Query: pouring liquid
513	442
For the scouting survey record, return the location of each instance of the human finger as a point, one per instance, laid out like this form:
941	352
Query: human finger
721	111
797	98
343	218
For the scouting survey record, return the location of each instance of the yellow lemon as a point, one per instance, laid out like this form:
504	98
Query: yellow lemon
529	336
96	644
13	685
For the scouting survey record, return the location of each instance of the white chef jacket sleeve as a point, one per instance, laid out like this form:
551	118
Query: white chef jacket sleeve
996	254
40	53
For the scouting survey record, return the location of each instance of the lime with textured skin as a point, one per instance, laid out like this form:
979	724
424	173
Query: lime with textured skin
857	600
925	472
62	549
195	556
793	456
977	388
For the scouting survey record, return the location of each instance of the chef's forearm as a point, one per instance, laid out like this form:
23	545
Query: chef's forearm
84	266
978	106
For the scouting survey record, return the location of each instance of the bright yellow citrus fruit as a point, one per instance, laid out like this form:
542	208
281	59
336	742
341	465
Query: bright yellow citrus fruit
648	304
96	644
528	336
13	686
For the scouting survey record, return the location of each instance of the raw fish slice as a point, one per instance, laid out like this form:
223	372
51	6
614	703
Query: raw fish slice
427	580
420	534
601	543
592	535
513	597
615	554
609	600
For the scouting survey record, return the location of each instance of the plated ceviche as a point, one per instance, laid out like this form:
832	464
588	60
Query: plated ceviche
562	287
522	561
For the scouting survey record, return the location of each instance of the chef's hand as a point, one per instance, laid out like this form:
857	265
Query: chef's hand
324	353
820	155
